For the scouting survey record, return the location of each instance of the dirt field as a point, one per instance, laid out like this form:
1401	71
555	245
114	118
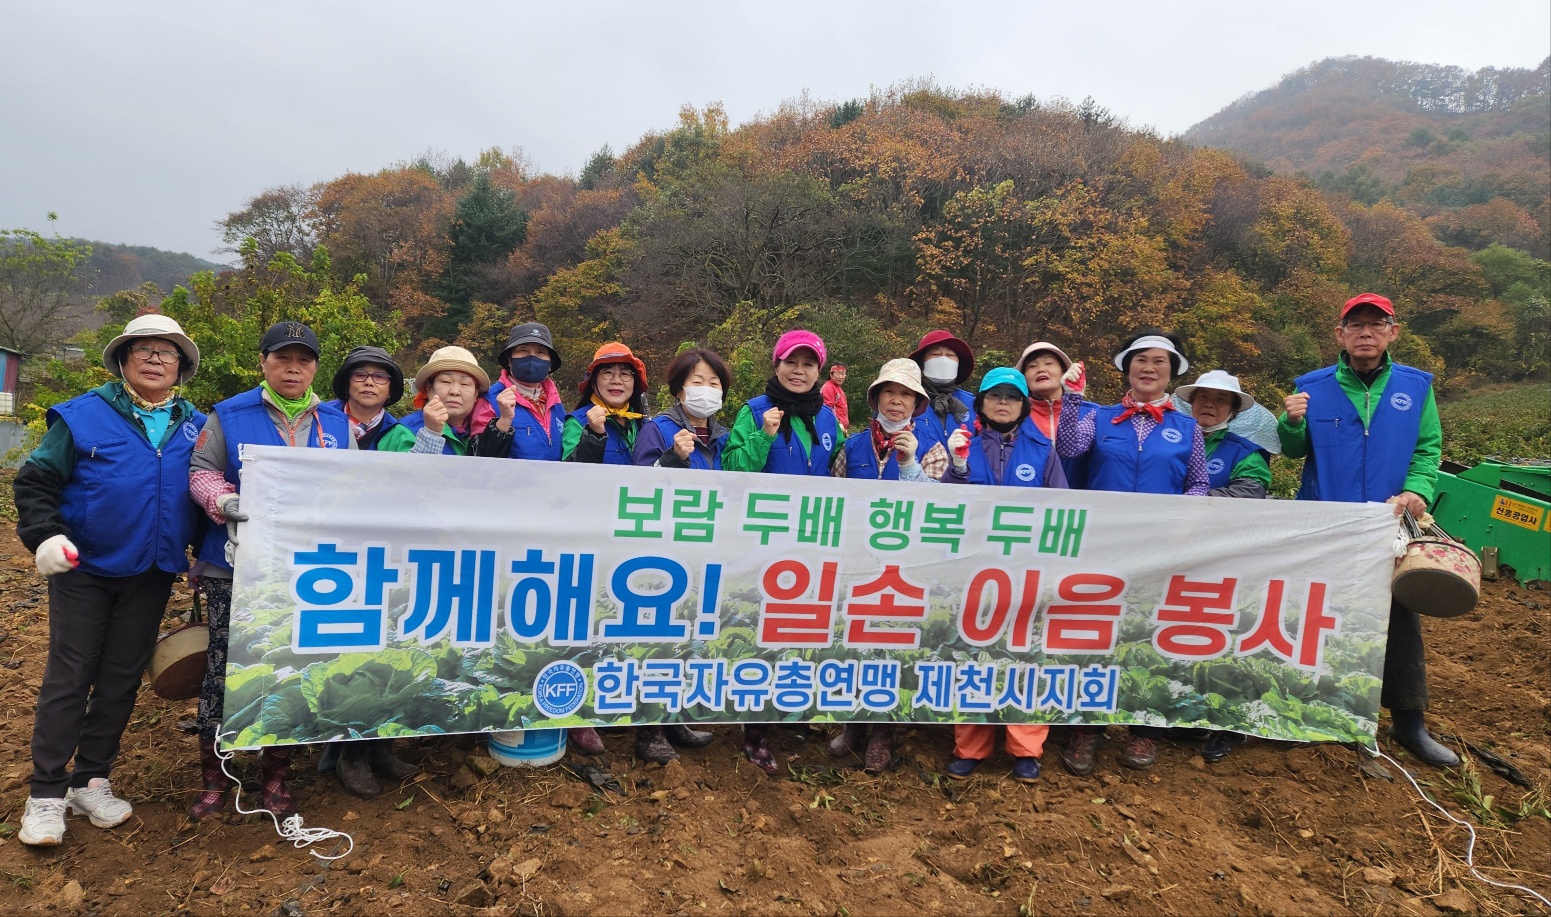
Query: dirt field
1274	829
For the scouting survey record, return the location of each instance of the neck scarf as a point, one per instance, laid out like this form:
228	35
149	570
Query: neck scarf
944	404
359	428
623	415
1153	409
144	405
883	439
805	406
293	407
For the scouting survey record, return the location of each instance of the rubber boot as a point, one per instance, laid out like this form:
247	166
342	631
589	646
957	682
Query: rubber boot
355	772
684	737
275	766
880	749
1410	732
585	739
850	740
651	744
212	797
379	754
756	747
330	757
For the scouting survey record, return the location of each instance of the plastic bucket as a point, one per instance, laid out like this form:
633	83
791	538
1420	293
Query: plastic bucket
528	747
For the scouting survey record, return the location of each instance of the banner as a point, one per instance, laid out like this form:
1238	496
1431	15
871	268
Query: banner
393	595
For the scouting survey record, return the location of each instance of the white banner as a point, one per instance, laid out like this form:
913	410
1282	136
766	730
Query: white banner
388	594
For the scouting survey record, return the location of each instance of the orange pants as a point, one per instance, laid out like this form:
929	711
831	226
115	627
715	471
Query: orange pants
978	741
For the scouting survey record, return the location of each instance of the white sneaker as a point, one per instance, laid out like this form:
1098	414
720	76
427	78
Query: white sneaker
43	824
97	802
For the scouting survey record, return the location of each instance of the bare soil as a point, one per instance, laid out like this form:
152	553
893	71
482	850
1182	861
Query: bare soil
1273	829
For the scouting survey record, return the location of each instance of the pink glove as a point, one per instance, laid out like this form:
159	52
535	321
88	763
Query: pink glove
1075	380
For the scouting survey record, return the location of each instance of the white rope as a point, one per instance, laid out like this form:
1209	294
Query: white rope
1470	848
291	829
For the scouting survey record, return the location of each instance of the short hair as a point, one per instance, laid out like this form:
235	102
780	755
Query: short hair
685	363
1171	337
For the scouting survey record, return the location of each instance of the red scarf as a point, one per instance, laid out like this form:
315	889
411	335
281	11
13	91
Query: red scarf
1155	411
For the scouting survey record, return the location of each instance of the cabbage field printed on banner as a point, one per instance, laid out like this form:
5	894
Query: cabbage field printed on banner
364	607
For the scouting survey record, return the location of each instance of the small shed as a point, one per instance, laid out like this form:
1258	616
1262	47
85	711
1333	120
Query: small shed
10	367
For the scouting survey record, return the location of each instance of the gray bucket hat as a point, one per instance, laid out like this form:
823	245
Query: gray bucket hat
530	333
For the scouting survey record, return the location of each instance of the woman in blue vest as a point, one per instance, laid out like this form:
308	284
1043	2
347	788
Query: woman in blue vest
1141	445
786	430
103	504
281	411
1042	365
687	434
884	450
603	428
366	383
1004	448
945	361
527	362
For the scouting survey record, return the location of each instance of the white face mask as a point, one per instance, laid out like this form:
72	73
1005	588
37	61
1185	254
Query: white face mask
1215	427
702	400
892	426
941	370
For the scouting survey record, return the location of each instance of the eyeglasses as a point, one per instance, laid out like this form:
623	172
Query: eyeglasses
1003	398
1375	327
616	372
151	354
362	375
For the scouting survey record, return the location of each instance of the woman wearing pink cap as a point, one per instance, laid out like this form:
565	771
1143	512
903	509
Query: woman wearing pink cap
786	430
1043	364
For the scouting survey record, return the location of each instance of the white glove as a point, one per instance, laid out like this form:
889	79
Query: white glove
57	554
958	449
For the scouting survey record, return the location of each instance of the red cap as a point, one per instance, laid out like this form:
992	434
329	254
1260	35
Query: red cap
1368	299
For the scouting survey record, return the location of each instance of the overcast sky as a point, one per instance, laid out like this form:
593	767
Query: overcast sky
144	123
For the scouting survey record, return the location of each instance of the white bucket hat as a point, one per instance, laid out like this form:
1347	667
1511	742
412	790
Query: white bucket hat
901	372
454	359
1221	381
153	326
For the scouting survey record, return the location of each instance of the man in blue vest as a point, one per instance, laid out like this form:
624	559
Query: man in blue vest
1367	429
281	411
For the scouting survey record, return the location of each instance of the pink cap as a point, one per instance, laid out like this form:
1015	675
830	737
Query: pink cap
796	338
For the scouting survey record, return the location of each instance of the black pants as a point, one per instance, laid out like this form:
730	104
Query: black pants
1405	668
101	630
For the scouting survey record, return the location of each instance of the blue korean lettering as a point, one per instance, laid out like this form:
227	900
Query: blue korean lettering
793	685
647	616
1097	688
879	679
1020	689
707	683
614	683
837	684
750	684
1060	688
934	685
662	682
332	578
540	601
974	684
453	590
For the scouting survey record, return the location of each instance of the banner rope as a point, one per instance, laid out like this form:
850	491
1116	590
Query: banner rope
1470	847
291	828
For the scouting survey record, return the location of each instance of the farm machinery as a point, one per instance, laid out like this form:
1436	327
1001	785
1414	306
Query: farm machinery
1500	511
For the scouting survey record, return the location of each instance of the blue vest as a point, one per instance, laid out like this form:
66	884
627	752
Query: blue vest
127	504
1347	463
1228	452
245	421
373	436
1025	467
668	428
415	422
930	430
1157	465
615	450
862	459
529	438
1075	469
786	453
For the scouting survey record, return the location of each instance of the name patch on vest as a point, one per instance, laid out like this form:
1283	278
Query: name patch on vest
1400	401
1024	472
1215	466
1172	435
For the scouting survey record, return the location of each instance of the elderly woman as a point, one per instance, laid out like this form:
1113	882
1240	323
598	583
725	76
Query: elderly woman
1141	445
946	362
1235	467
885	450
786	430
1006	450
453	416
687	434
281	411
364	385
603	428
102	502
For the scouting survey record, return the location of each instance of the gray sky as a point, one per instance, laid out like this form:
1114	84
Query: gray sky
144	123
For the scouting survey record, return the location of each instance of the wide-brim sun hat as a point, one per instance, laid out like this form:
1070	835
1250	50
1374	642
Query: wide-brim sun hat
1219	380
368	356
901	372
1149	342
530	333
613	352
454	359
959	346
1044	347
154	326
798	338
